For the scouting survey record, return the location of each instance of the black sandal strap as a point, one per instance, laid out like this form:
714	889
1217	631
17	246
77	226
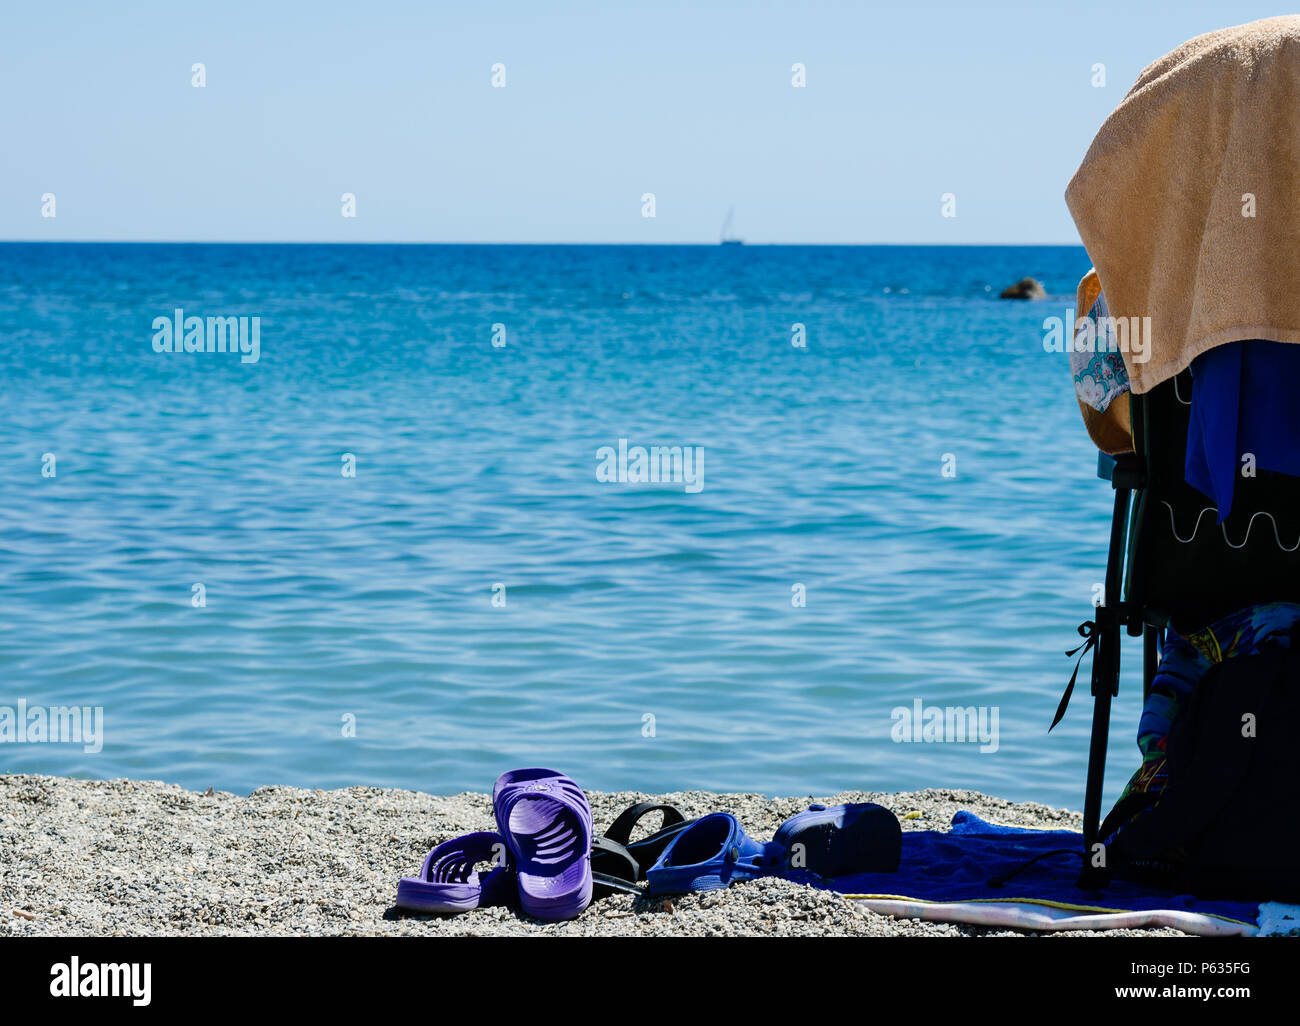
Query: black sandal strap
620	831
603	885
613	866
609	858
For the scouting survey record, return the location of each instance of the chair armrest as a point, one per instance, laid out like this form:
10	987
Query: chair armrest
1123	471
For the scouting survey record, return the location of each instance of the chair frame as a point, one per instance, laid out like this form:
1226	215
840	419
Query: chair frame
1150	580
1127	476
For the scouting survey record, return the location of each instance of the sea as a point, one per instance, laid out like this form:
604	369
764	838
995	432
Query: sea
788	520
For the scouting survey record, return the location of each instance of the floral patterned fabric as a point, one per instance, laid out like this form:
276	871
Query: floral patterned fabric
1099	373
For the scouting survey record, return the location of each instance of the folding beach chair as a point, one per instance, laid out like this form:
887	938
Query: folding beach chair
1171	561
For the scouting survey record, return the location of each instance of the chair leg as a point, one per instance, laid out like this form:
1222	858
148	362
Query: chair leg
1105	667
1105	684
1150	658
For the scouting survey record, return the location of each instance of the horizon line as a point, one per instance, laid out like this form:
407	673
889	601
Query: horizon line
400	242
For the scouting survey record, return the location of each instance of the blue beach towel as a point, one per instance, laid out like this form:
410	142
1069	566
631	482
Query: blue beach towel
1243	401
955	867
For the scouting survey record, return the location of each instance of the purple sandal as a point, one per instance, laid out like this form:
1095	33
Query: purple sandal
450	881
545	821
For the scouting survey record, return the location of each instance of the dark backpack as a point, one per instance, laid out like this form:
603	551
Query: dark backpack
1228	821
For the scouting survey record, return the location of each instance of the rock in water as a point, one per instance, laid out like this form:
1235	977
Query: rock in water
1025	288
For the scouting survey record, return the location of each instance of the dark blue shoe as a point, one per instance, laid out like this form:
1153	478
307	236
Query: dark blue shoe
825	841
842	839
710	854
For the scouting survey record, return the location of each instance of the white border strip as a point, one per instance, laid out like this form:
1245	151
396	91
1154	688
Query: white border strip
1031	915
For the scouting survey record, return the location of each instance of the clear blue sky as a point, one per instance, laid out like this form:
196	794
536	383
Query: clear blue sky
393	102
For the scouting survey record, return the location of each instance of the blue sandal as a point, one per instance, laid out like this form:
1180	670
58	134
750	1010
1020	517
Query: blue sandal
841	839
715	851
545	821
710	854
451	881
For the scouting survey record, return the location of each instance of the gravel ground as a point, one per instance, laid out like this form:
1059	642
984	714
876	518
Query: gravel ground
124	857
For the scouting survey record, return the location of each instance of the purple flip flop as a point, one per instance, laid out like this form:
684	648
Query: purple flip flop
450	881
545	821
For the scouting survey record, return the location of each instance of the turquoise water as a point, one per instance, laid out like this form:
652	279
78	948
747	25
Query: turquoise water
629	610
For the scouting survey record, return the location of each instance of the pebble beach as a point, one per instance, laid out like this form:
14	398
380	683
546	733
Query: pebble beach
144	858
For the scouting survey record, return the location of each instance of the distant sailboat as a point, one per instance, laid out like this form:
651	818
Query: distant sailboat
727	238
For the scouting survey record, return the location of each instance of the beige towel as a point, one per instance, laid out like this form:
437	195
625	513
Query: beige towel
1161	199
